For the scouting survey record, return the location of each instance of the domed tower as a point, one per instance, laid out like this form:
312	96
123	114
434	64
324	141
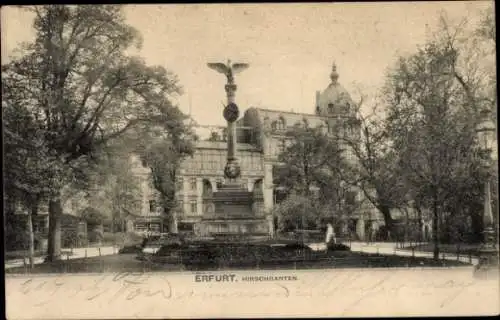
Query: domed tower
334	101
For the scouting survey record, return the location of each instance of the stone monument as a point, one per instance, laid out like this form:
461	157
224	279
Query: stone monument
236	213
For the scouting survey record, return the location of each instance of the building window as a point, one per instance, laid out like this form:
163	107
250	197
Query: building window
185	226
219	183
152	206
180	184
266	122
141	227
193	183
144	163
209	208
180	205
282	146
330	107
347	107
281	123
194	207
154	227
274	125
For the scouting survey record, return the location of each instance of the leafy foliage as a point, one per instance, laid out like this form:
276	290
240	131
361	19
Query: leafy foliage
164	158
298	212
82	91
434	101
374	168
304	160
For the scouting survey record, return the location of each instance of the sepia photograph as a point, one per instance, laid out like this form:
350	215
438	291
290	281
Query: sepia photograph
250	160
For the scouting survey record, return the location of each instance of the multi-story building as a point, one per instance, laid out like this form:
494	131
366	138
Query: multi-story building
261	138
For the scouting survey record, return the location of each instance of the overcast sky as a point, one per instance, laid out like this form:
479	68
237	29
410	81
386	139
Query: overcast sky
290	47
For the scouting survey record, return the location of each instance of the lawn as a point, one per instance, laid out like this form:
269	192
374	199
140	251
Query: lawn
448	248
334	259
20	254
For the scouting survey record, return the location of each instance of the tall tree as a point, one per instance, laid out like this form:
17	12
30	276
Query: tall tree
299	212
434	103
373	166
164	155
82	88
305	156
307	170
119	179
31	168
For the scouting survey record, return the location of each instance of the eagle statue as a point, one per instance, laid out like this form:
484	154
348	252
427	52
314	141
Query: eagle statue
229	69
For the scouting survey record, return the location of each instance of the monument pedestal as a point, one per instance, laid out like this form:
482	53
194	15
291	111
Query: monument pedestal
237	215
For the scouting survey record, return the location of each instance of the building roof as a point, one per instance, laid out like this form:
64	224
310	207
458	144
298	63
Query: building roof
267	117
222	145
335	99
272	111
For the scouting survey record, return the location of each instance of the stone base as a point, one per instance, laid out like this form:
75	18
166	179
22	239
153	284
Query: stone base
239	228
237	214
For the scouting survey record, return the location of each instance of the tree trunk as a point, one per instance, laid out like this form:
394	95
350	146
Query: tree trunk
31	246
407	236
420	224
54	241
389	222
435	227
477	225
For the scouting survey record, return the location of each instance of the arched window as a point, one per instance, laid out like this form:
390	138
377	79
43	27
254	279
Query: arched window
209	208
207	188
152	206
219	183
257	187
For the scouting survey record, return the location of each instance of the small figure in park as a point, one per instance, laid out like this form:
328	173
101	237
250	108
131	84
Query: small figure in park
330	234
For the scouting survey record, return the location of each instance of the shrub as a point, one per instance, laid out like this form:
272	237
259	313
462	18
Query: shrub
243	253
122	238
95	235
130	249
166	250
338	247
16	237
69	238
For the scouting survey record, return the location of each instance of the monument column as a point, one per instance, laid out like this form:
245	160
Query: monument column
231	126
235	215
231	113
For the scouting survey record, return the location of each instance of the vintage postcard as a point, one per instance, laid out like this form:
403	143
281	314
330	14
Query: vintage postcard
250	160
